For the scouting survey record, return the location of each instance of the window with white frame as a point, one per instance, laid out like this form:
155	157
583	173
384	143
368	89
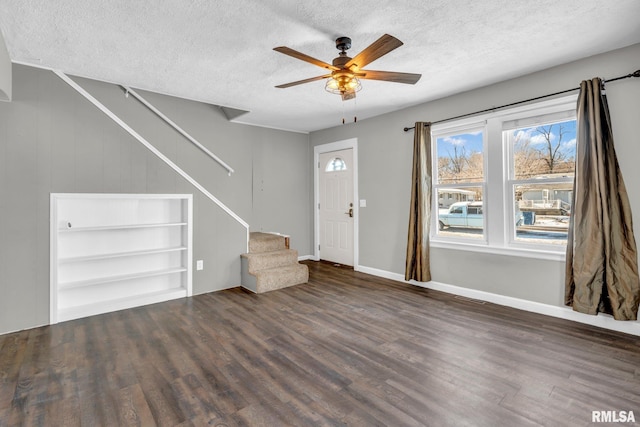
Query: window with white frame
459	183
542	161
504	181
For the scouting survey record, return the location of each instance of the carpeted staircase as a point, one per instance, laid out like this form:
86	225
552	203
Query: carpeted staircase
270	264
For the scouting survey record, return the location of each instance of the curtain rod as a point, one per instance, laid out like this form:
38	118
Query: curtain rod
634	74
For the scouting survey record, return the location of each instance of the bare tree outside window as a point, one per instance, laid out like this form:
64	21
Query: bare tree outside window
543	150
460	159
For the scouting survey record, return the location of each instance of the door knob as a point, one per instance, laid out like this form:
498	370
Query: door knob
350	213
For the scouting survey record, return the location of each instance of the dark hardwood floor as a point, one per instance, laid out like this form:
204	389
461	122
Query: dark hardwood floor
344	349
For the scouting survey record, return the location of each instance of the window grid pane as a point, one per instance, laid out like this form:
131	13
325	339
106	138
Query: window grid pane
544	151
542	212
461	213
460	158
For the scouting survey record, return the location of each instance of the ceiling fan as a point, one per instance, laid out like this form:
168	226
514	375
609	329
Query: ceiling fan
346	72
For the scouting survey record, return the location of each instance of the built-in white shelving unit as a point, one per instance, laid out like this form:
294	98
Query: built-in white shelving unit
116	251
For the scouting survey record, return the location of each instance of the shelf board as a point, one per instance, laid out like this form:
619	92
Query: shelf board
62	286
120	227
83	310
120	254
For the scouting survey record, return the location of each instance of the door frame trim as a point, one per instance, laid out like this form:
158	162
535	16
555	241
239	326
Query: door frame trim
351	143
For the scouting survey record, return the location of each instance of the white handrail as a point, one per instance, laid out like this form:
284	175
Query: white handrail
177	128
153	149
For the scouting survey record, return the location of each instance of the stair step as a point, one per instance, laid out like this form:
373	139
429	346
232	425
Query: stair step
266	242
266	260
270	264
281	277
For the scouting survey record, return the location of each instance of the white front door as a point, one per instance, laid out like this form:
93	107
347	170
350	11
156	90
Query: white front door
336	208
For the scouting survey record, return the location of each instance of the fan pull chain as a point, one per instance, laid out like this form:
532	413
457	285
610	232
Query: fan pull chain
355	110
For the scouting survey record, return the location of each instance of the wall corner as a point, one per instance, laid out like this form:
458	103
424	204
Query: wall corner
5	72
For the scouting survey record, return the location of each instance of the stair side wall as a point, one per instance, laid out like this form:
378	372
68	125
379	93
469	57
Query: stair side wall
249	281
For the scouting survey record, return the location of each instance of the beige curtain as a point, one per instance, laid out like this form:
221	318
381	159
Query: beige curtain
602	260
417	264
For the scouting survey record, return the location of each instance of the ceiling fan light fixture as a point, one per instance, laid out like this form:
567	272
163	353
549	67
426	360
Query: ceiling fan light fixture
342	83
344	71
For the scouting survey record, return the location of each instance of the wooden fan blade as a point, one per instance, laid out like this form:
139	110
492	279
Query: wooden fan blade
303	57
391	76
299	82
375	50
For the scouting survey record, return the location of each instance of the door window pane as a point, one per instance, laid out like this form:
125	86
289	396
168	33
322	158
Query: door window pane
335	164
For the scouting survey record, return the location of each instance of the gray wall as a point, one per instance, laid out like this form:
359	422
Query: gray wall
5	71
52	140
385	173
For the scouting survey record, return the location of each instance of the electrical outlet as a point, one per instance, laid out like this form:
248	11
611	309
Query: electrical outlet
199	264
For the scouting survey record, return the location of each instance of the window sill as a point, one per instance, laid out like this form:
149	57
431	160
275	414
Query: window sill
504	251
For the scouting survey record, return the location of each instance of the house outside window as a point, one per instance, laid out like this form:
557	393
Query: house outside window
503	181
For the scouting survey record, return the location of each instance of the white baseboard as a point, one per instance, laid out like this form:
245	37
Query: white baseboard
601	320
307	258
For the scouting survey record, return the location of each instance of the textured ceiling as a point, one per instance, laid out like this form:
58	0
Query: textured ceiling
220	52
